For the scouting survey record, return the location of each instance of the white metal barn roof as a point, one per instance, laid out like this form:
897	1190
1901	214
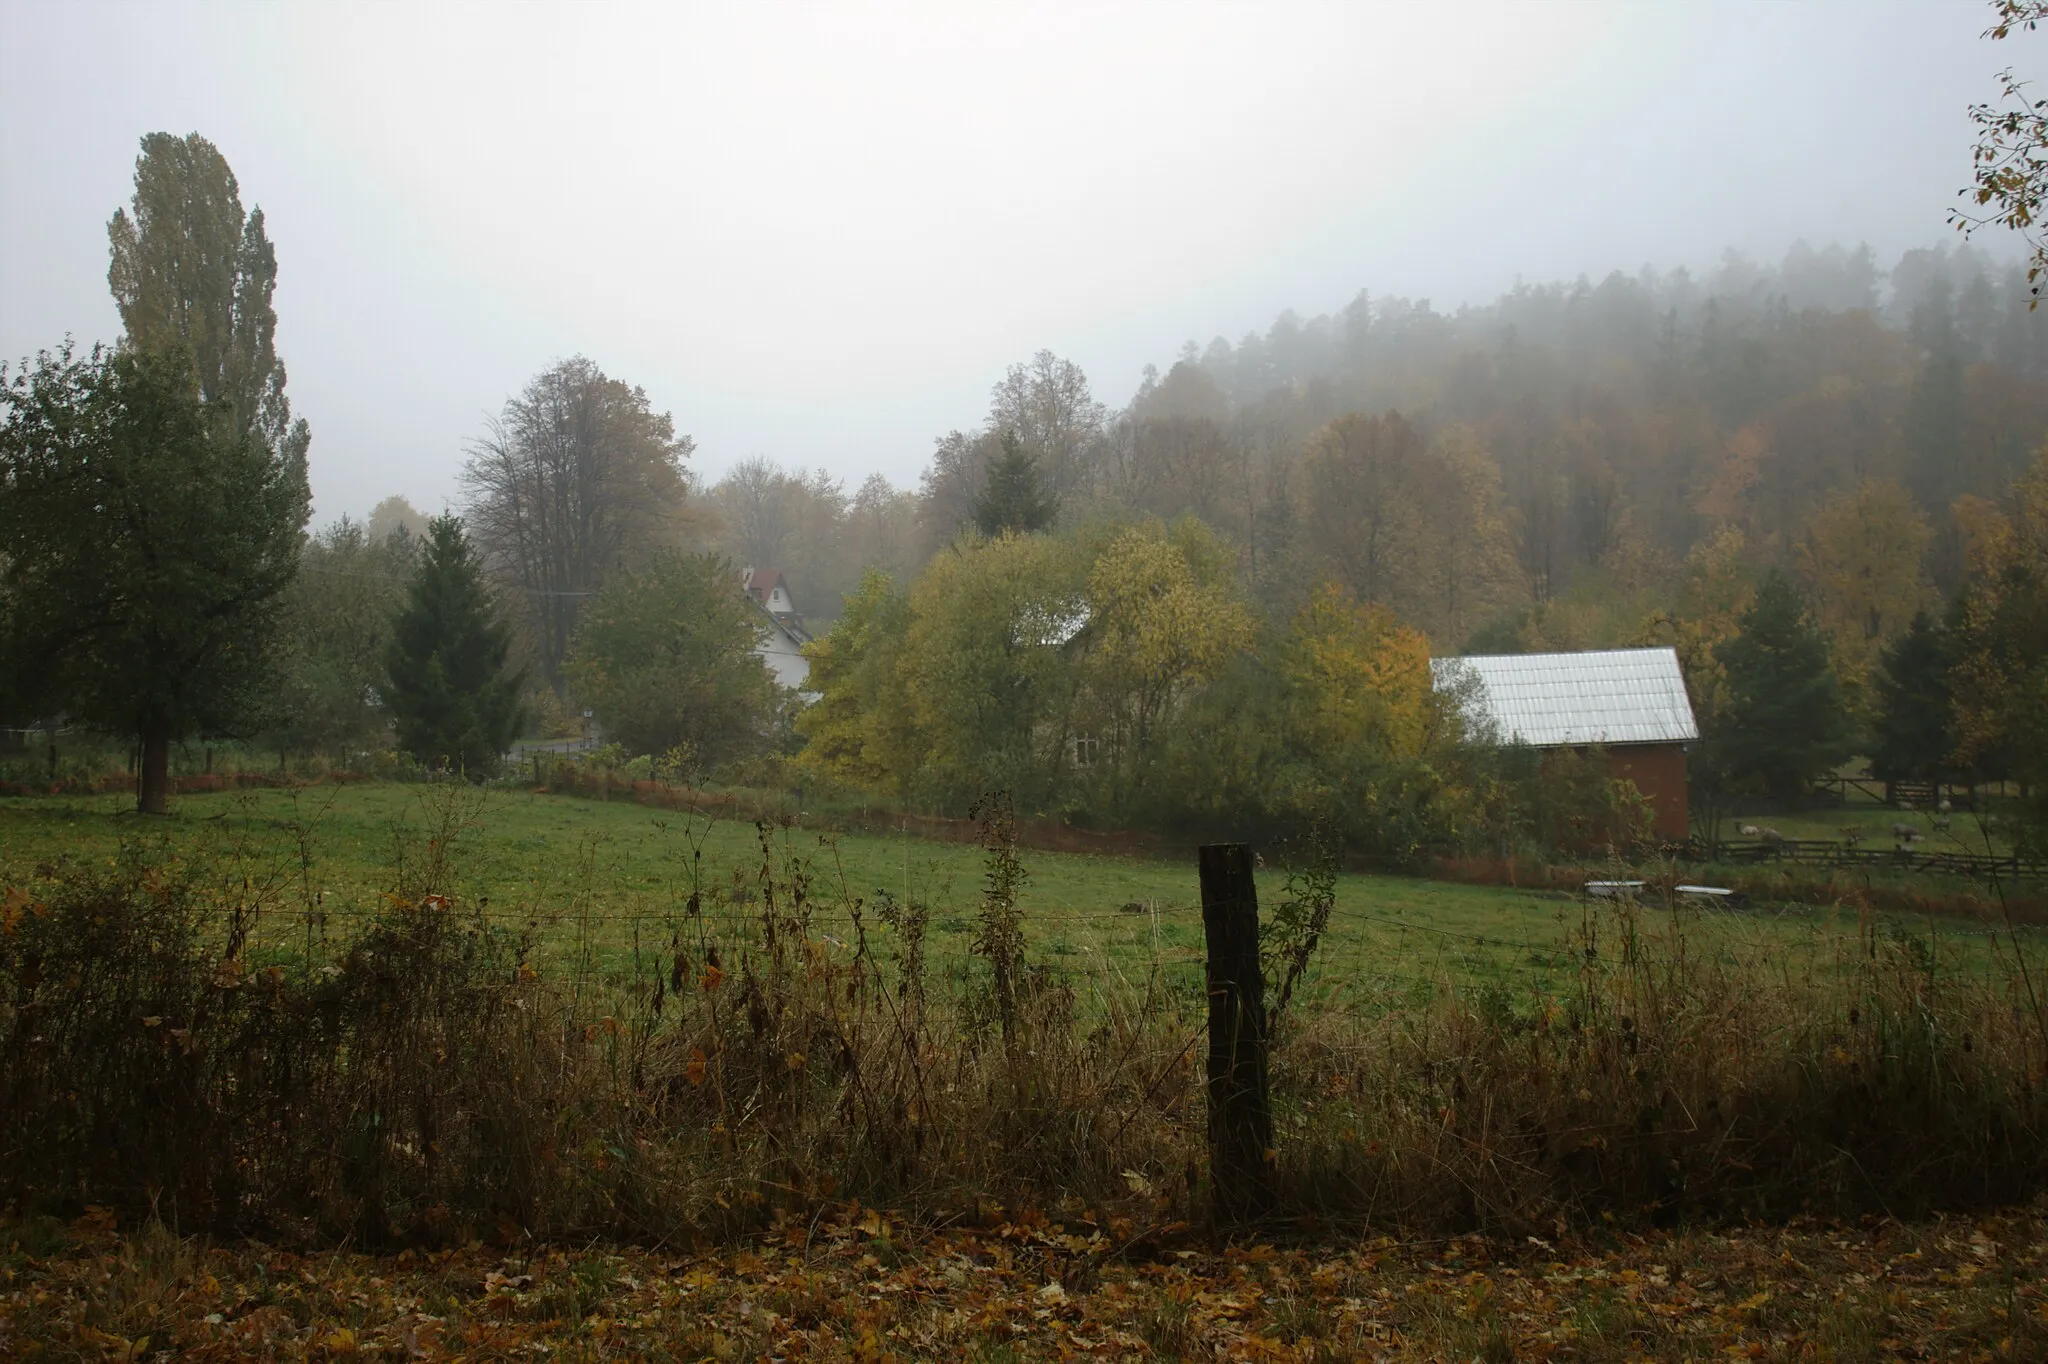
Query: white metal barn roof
1605	696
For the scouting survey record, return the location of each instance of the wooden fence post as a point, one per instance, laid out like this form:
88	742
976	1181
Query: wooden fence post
1240	1114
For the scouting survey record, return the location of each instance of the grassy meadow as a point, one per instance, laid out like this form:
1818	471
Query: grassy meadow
594	880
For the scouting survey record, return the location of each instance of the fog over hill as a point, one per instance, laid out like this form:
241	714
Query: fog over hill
822	236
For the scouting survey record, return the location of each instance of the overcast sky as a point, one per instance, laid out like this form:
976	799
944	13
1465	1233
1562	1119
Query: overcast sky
820	233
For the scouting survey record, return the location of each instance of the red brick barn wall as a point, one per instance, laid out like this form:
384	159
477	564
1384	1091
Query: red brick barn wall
1658	770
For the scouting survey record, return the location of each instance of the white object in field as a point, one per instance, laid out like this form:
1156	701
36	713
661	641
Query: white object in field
1716	892
1607	890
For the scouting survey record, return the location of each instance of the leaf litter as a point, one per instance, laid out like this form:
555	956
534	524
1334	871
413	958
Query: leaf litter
856	1284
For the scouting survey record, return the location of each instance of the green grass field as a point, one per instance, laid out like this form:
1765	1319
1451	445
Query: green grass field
597	880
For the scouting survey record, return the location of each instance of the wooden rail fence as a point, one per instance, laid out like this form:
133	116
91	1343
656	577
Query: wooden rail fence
1819	852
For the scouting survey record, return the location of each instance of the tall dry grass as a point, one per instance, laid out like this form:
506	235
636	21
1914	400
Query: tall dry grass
184	1037
1672	1082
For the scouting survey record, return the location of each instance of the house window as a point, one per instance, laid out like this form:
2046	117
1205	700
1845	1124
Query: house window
1083	751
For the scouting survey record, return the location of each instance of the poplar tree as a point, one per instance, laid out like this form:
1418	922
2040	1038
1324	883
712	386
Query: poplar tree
190	269
453	699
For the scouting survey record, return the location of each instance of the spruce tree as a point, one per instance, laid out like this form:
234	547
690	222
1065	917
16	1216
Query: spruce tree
1914	731
1785	723
1015	498
455	704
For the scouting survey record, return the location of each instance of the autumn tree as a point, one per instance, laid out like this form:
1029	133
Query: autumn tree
860	732
1466	570
1362	677
1046	404
146	541
2011	156
2000	640
448	685
1733	491
987	666
797	520
395	514
1862	556
578	478
881	528
1186	391
1418	527
665	657
779	518
1716	588
1174	466
1362	720
757	521
1163	618
1359	505
1059	664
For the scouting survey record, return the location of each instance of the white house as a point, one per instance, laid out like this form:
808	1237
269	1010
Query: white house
782	631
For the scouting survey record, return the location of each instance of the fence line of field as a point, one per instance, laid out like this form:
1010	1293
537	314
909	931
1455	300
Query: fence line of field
1906	793
1820	852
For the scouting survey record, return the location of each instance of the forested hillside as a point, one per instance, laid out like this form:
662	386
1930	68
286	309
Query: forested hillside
1566	445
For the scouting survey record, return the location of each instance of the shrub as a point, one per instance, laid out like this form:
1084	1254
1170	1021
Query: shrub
173	1039
151	1058
1669	1083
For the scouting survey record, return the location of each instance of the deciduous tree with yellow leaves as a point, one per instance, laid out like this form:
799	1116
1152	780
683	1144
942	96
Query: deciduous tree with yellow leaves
1861	556
2000	677
1360	677
1163	618
859	731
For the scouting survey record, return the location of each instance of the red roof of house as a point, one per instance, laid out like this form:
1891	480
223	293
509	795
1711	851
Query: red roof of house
763	582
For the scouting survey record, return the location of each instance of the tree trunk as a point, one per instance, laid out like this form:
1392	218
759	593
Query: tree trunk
153	787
